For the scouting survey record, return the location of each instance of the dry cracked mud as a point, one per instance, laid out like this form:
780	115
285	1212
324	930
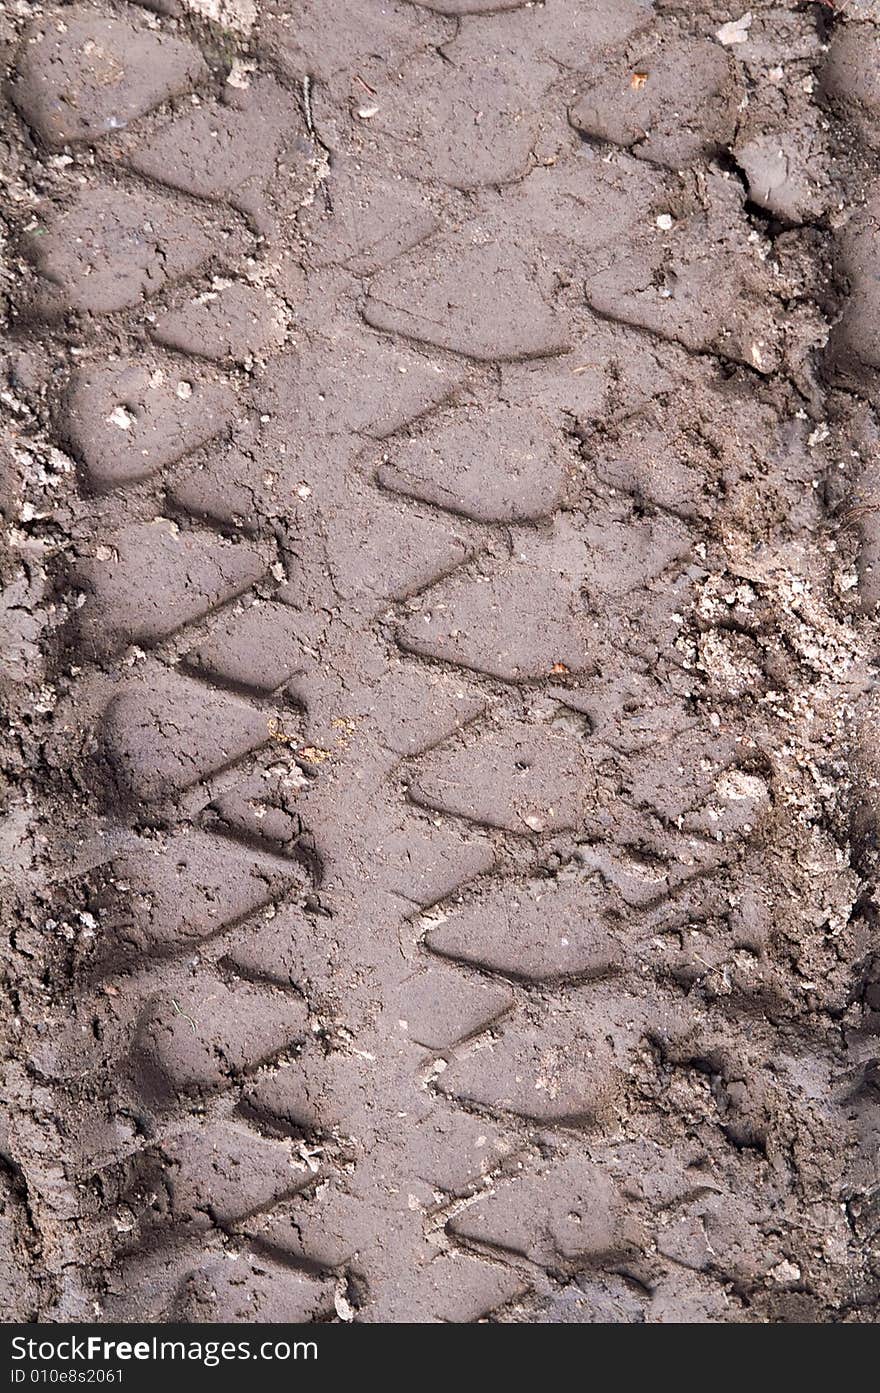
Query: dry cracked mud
439	655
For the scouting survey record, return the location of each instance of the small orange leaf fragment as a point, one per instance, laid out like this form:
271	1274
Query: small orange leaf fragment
638	80
559	670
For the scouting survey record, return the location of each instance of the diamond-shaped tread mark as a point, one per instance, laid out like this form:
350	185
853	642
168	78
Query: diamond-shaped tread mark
427	114
111	249
385	552
453	1150
227	486
287	1100
519	624
260	648
557	32
539	930
83	74
333	1228
685	109
127	420
273	952
200	1038
485	300
569	1212
261	807
225	152
621	557
397	851
470	7
371	220
330	37
351	385
163	735
424	865
414	709
229	324
442	1006
250	1290
224	1172
151	579
491	463
561	1074
409	709
452	1288
181	889
522	779
667	288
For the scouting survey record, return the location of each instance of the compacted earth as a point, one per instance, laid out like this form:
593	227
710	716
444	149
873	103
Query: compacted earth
441	747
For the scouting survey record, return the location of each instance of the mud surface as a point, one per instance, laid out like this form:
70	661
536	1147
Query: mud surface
439	633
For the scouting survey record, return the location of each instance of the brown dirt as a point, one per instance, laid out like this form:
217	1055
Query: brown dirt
439	618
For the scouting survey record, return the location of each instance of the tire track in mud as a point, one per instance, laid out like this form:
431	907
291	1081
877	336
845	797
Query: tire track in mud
171	1166
468	925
